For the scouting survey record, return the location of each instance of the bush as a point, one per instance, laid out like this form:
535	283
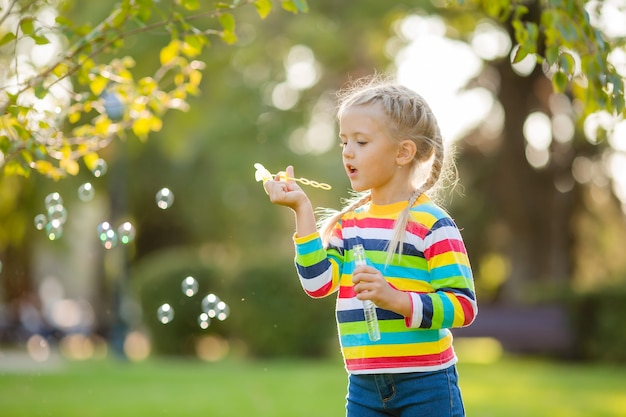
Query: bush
598	319
269	312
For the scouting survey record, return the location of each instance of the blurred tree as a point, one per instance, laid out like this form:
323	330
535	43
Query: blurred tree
268	98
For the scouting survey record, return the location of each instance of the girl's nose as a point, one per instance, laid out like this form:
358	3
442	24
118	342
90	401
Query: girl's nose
347	151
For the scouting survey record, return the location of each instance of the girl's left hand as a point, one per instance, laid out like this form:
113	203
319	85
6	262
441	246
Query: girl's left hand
369	284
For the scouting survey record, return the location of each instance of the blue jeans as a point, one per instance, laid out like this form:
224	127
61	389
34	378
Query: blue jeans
417	394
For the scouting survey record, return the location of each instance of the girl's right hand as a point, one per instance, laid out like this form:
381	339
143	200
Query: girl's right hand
286	192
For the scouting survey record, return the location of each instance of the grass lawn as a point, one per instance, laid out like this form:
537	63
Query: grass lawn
109	388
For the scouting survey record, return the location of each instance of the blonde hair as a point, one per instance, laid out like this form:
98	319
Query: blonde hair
409	117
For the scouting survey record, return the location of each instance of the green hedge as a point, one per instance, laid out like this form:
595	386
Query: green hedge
599	322
270	315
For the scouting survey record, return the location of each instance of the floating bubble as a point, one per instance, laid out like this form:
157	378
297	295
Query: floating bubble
204	321
53	199
209	304
40	221
223	311
126	233
99	168
107	235
86	192
57	212
165	313
164	198
189	286
54	230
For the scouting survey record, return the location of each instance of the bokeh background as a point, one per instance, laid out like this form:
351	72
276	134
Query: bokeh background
540	203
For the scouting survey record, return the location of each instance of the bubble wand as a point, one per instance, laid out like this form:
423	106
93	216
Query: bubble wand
262	174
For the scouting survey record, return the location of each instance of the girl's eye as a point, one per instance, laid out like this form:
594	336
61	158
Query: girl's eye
342	144
361	143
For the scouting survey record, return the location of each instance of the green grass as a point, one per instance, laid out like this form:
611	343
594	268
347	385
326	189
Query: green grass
108	388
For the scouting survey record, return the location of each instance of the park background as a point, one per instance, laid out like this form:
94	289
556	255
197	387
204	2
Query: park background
540	203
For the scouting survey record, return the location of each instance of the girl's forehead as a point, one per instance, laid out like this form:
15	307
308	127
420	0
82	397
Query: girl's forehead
362	116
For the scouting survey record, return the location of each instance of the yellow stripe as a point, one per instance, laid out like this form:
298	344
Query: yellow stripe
413	349
404	284
458	311
449	258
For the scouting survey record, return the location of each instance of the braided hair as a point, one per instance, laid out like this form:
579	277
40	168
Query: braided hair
409	117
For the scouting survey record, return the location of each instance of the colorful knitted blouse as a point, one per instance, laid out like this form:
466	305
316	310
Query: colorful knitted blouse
434	269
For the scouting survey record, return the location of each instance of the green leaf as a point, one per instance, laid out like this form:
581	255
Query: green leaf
40	40
263	7
552	54
520	53
301	5
27	25
7	38
40	91
567	63
227	21
559	82
190	4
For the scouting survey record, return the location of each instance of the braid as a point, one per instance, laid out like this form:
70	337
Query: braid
410	117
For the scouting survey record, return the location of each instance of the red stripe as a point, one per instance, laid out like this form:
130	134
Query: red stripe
400	361
368	223
443	246
323	291
417	229
346	292
468	310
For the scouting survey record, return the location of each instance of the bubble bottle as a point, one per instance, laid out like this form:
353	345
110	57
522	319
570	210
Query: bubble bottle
369	307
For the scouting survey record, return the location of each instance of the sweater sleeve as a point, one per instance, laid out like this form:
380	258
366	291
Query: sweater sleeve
452	303
318	269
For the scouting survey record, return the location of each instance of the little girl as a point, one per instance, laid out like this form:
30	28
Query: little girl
418	274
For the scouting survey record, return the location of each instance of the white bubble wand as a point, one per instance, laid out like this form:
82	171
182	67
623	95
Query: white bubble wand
262	174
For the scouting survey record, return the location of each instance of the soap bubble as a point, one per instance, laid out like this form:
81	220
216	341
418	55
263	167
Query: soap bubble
57	212
204	321
164	198
54	229
53	199
99	168
40	221
209	304
165	313
189	286
107	235
86	192
126	233
223	311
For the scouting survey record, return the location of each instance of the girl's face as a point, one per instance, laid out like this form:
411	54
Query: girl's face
370	154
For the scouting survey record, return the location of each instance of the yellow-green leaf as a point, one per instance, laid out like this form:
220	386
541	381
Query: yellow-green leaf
90	160
227	21
69	165
97	85
27	26
7	38
170	52
141	128
192	45
263	7
190	4
559	82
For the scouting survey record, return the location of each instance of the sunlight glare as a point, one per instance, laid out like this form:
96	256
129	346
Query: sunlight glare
442	77
490	41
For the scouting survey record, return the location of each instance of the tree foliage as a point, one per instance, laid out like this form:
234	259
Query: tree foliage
59	112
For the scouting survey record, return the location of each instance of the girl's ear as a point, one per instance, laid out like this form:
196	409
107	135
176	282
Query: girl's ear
406	152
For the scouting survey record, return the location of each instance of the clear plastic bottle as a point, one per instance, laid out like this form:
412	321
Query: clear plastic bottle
369	307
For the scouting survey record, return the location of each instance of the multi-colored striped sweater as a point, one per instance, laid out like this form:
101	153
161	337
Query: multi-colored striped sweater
434	269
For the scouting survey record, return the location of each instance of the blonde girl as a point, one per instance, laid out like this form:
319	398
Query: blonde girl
418	273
